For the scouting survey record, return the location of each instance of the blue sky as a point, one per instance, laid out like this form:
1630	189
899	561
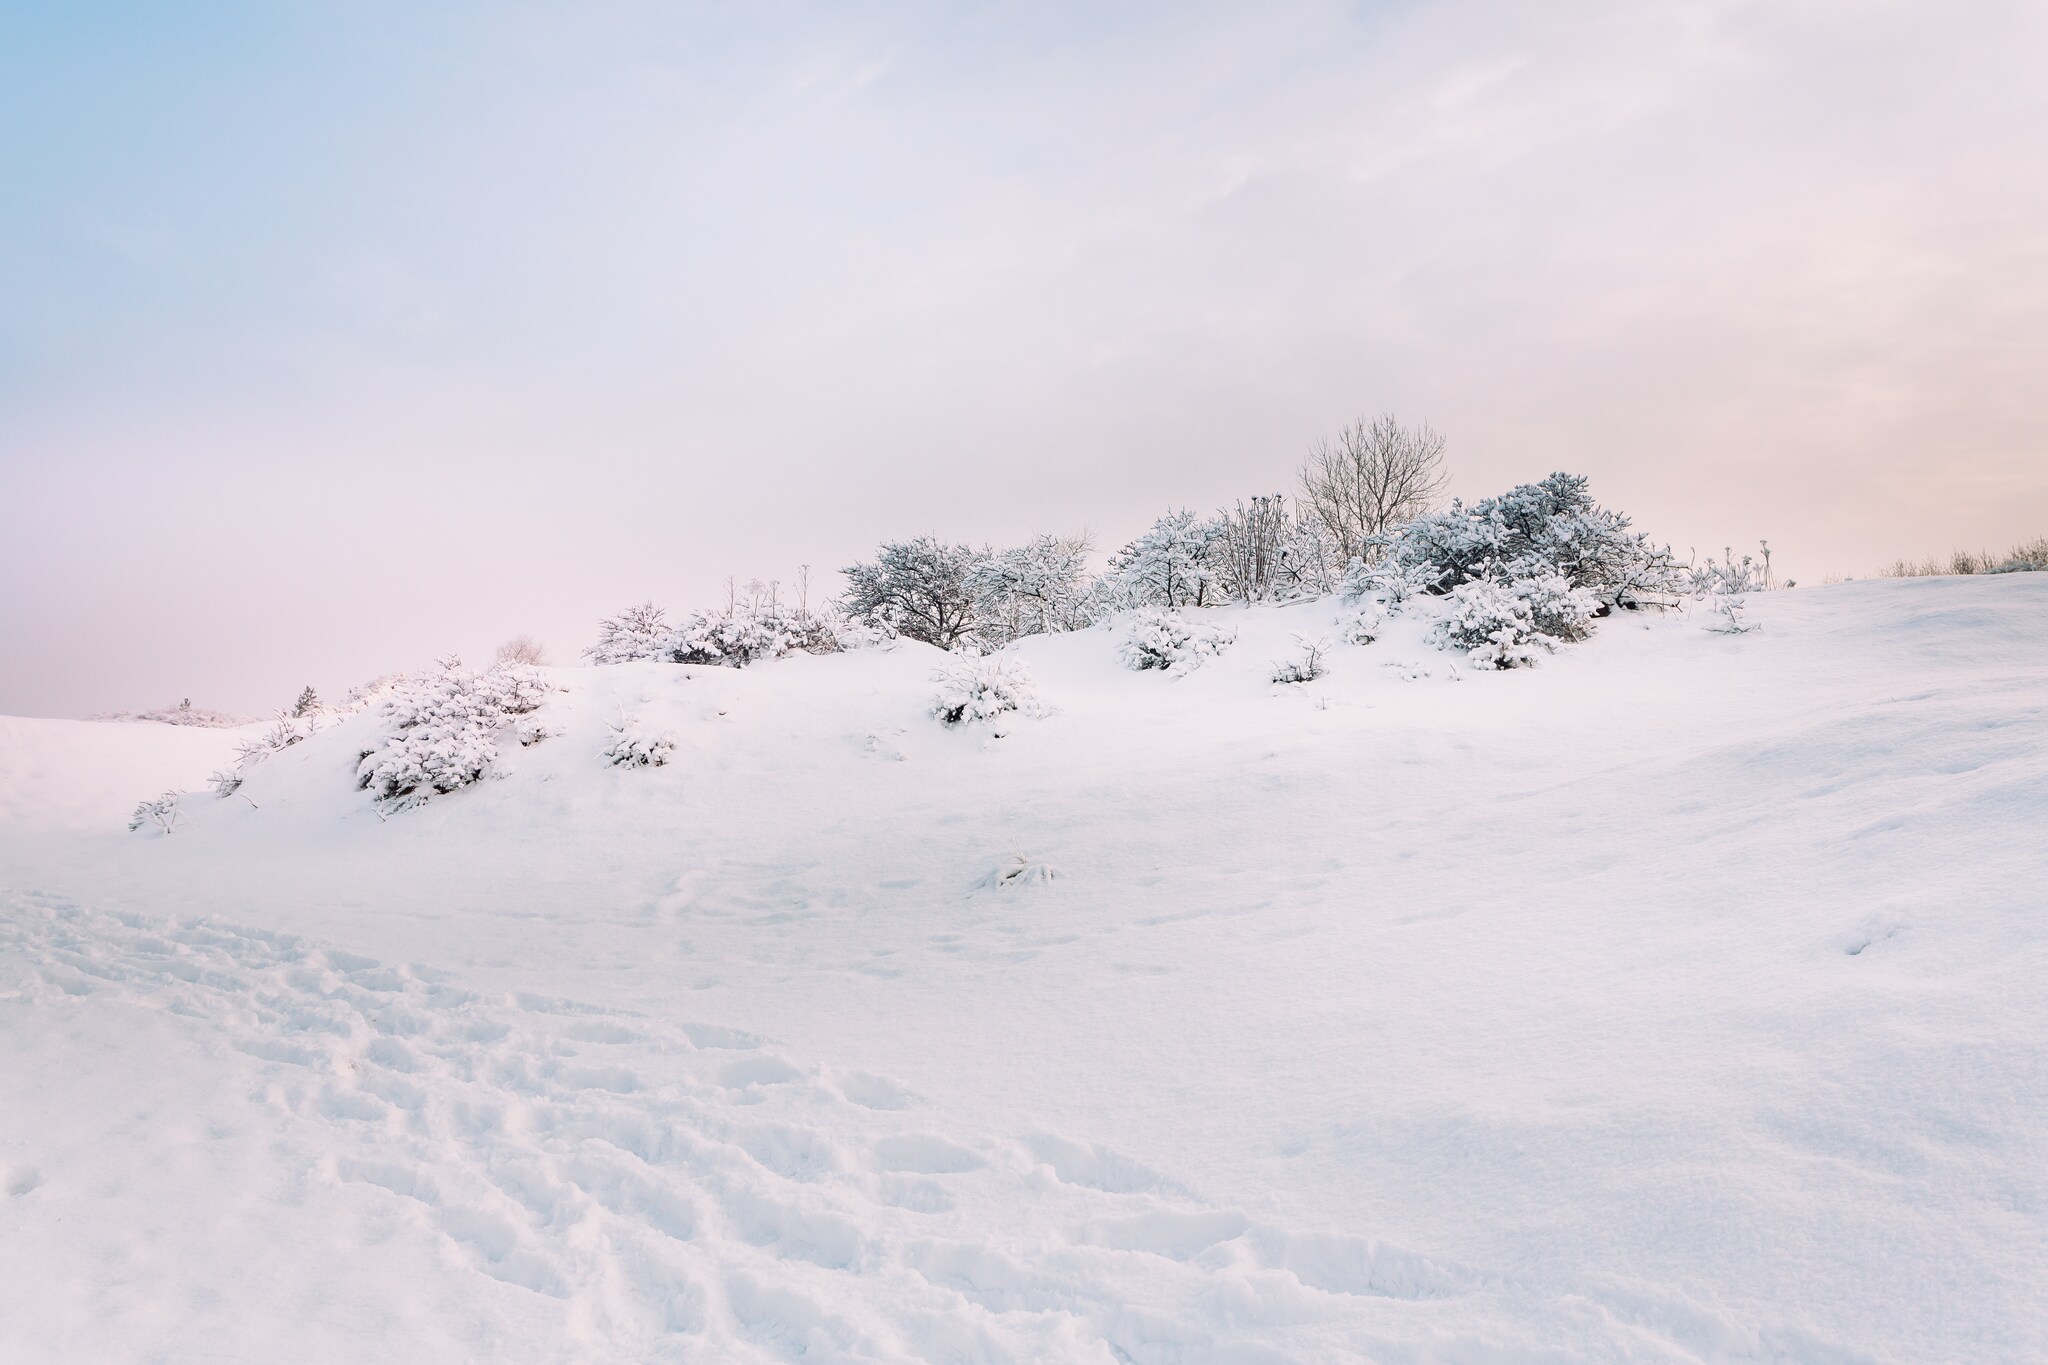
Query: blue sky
335	337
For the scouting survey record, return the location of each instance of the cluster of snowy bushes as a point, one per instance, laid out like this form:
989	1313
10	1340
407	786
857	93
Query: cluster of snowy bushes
1518	574
184	713
445	728
751	627
2030	557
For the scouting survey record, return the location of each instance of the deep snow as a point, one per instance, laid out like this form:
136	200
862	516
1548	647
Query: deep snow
1676	999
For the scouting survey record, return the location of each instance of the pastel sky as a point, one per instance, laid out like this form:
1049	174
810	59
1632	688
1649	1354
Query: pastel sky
334	337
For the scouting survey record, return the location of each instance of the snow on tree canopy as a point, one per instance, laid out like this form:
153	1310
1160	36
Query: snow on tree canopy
1551	527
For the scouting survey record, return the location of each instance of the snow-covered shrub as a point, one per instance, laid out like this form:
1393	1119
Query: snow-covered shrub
1551	527
1727	618
226	781
1751	573
1562	612
1309	663
1171	565
161	811
1493	625
286	731
1263	553
982	687
747	632
1361	625
1389	581
635	746
363	696
1035	589
1156	638
445	728
640	632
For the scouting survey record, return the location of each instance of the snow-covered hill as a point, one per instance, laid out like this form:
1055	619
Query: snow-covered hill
1676	999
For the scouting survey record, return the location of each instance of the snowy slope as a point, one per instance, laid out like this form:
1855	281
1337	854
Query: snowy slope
1677	999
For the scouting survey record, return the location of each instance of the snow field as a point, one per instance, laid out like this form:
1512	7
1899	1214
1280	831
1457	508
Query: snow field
638	1191
1675	999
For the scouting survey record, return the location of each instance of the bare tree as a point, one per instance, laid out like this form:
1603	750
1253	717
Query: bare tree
1372	478
522	649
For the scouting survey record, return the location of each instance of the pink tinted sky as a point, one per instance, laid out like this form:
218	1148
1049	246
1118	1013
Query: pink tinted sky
338	338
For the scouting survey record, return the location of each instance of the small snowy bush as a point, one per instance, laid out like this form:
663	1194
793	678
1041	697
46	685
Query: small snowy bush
1727	619
1388	581
286	731
445	729
161	811
1162	639
640	632
635	746
1493	625
1361	625
1306	666
1561	612
980	688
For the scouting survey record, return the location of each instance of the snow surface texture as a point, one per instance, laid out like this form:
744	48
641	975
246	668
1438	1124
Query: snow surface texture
1675	999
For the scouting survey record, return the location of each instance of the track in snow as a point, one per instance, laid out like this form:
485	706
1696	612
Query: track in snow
685	1192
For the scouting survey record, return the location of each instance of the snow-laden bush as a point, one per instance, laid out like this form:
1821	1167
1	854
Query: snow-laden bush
1035	589
363	696
747	632
1311	661
1562	612
1551	527
286	731
640	632
1493	624
1727	617
1156	638
983	687
161	811
445	729
1171	565
634	745
1388	581
1361	625
1712	577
